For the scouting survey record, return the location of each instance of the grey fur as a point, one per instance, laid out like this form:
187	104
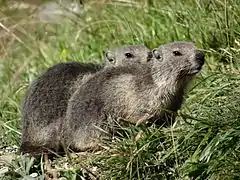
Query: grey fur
45	103
127	55
46	100
137	93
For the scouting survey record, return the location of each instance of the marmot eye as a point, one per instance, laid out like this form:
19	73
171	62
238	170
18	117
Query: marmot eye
111	59
128	55
177	53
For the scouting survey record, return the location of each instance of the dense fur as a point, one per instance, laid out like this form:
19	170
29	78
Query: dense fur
137	94
46	100
127	55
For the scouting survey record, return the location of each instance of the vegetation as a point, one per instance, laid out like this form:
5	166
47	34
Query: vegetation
204	143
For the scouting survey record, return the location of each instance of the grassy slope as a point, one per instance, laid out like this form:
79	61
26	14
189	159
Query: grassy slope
205	141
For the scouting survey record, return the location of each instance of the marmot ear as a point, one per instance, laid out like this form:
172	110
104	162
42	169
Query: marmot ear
109	56
156	53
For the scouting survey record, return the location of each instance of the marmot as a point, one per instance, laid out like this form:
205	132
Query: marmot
46	100
136	93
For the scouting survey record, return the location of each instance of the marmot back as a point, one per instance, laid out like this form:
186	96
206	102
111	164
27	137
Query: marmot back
46	100
137	94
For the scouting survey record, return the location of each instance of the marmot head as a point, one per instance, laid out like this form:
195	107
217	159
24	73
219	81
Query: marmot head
182	58
127	55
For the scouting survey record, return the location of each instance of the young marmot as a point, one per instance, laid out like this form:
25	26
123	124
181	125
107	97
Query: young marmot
136	93
46	100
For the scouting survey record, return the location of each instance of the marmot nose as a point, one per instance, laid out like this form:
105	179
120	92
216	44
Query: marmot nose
199	56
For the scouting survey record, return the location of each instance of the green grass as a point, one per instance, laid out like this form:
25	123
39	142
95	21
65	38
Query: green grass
205	141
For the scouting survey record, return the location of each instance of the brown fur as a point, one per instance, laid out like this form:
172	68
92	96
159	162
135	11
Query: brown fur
137	94
46	100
